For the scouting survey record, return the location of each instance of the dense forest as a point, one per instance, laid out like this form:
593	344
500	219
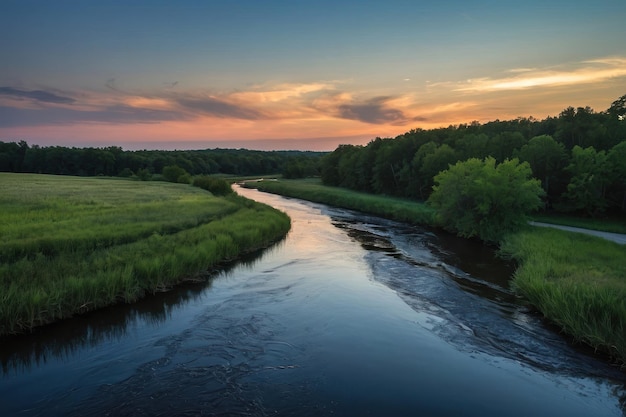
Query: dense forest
114	161
579	157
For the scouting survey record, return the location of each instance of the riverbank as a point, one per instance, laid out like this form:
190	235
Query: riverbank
575	281
407	211
71	245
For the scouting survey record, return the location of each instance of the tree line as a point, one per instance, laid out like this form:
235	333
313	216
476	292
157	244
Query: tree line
114	161
579	156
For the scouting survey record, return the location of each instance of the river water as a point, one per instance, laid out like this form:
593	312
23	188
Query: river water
350	315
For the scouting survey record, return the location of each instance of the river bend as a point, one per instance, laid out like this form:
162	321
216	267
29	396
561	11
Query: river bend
350	315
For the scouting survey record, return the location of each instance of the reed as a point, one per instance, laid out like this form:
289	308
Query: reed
103	241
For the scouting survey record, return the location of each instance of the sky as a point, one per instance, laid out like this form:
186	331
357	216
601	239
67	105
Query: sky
308	75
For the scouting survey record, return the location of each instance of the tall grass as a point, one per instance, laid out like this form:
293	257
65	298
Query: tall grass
106	241
576	281
312	190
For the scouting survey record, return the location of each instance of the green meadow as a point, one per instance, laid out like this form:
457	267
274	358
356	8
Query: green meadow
70	244
311	189
576	281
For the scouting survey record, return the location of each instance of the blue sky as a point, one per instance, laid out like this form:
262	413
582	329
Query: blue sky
296	74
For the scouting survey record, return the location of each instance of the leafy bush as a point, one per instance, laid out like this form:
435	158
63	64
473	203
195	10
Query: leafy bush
144	175
125	173
216	186
172	173
184	179
477	198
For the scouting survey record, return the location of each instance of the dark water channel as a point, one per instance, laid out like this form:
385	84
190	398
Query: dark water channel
349	316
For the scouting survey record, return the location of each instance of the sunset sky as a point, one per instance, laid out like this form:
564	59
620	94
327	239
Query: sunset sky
296	74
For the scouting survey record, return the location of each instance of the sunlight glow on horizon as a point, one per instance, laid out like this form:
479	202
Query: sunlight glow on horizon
163	76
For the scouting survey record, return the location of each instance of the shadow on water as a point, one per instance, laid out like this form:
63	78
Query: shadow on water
468	286
64	339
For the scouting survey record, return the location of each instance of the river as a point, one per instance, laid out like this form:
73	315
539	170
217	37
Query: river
349	315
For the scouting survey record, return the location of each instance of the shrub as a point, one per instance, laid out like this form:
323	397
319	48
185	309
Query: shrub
184	179
171	173
125	173
477	198
144	175
216	186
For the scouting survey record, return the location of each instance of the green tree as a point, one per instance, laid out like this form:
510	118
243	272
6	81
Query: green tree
330	164
144	174
172	173
417	184
547	159
217	186
473	146
428	161
590	176
479	198
387	167
503	145
617	164
618	108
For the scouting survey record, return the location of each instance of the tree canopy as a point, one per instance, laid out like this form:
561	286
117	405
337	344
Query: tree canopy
113	161
405	166
480	198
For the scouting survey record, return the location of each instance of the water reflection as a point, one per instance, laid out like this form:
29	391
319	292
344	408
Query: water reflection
352	316
62	340
480	312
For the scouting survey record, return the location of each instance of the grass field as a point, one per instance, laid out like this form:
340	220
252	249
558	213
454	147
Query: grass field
576	281
312	190
70	245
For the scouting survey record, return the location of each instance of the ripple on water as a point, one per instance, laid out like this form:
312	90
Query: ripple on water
351	315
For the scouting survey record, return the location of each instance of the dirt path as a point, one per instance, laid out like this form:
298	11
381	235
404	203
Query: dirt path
615	237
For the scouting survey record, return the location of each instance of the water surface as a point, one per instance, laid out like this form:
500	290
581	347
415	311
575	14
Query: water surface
349	315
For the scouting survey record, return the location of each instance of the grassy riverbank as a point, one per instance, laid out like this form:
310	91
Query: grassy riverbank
69	245
313	190
578	282
575	280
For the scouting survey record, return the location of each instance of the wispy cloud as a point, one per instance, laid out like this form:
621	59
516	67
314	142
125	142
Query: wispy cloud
280	92
374	111
587	72
111	84
212	106
321	102
120	114
318	107
37	95
517	70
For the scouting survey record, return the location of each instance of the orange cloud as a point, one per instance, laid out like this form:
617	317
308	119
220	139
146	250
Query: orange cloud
303	110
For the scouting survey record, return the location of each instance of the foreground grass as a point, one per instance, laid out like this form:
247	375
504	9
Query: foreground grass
576	281
312	190
70	245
